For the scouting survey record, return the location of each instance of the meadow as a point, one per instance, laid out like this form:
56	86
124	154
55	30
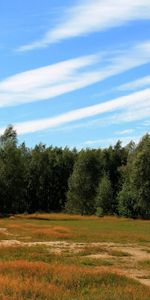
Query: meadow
68	257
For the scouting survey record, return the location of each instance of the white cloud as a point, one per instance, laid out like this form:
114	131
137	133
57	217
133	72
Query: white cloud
136	84
112	141
91	16
127	114
64	77
133	113
46	82
44	76
124	132
147	123
132	100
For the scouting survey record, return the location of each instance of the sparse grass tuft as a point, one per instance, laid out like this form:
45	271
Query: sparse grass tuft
145	264
96	262
118	253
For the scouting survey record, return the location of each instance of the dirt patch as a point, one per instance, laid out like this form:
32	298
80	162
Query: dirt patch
126	265
140	275
136	253
4	231
10	243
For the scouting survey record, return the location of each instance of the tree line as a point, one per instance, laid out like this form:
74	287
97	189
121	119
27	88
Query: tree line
111	181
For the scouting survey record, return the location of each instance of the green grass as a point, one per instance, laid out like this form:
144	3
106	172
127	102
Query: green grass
35	253
96	262
109	229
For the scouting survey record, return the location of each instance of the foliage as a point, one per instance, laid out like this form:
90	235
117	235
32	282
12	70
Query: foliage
52	179
83	183
99	212
134	197
104	197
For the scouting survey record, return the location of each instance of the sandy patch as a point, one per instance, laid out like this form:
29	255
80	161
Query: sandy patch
4	231
129	262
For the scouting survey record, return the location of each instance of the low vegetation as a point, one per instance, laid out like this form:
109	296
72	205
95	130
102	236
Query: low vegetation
94	262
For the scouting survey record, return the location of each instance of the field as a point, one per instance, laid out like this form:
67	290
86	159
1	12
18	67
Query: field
58	256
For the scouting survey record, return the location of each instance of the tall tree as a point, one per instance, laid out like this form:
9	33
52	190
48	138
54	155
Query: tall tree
12	187
134	197
83	183
104	196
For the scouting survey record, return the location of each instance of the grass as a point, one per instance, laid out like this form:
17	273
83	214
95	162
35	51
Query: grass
118	253
96	262
35	253
41	272
82	229
38	280
145	264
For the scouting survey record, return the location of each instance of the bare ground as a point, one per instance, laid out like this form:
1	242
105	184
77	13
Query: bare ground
127	263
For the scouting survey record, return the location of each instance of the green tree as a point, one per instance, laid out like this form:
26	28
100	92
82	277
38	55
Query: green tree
9	137
127	205
133	199
104	197
113	159
12	183
140	179
83	183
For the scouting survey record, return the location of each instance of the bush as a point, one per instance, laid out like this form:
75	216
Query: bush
99	212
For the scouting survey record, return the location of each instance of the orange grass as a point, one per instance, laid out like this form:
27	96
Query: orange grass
82	229
56	216
37	273
56	232
27	280
92	228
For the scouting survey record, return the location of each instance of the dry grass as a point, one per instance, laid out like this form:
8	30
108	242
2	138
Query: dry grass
56	232
145	264
40	272
56	216
77	228
118	253
28	280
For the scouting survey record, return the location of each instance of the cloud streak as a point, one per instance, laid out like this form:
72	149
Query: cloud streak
112	141
132	100
92	16
136	84
67	76
46	82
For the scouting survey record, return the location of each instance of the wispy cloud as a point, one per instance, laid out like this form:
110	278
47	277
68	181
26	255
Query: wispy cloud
124	132
129	114
112	141
136	84
125	115
64	77
147	123
132	100
90	16
46	82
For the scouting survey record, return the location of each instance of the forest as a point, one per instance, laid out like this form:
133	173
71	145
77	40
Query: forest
111	181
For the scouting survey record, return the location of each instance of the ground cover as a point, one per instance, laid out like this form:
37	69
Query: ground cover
58	256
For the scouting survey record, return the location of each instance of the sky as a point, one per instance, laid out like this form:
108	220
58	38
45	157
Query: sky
75	73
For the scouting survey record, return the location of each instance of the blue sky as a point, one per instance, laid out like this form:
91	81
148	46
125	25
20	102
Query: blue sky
75	73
